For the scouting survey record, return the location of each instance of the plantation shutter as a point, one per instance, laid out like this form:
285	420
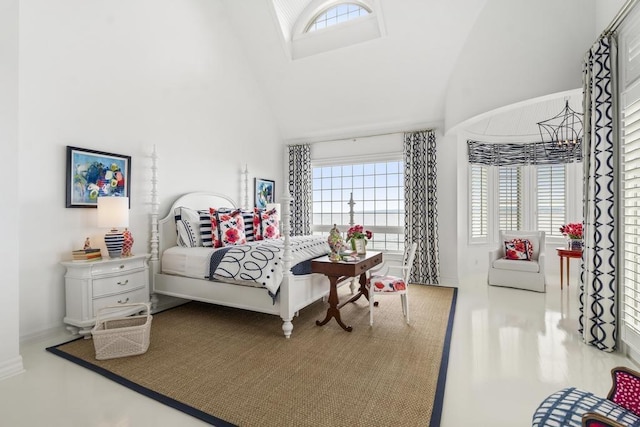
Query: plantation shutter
631	215
509	198
479	201
551	203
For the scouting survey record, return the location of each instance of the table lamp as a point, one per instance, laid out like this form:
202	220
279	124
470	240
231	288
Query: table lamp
113	212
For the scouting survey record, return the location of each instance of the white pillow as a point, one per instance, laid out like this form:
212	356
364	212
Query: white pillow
188	227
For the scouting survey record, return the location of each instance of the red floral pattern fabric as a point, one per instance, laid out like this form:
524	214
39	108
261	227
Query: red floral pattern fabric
627	391
227	228
518	249
265	224
387	284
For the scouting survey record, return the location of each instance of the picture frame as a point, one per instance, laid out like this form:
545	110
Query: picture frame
264	191
92	174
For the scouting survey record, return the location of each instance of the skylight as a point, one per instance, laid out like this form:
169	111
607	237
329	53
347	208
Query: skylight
337	14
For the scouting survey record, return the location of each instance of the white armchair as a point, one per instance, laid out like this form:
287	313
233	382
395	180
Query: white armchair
521	274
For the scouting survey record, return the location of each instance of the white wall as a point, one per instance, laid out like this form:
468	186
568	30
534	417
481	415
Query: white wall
122	76
10	360
518	50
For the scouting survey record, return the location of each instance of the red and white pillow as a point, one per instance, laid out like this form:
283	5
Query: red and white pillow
227	228
266	224
518	249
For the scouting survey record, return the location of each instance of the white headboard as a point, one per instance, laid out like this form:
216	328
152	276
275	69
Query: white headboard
167	234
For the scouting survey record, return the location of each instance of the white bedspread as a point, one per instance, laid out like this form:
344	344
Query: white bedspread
257	264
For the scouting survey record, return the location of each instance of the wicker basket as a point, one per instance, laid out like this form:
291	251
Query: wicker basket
122	336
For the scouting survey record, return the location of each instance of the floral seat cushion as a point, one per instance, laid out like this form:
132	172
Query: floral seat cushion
387	284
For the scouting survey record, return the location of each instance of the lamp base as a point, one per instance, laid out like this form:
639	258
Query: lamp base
114	240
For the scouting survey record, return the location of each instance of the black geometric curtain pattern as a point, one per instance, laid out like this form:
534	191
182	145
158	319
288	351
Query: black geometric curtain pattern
598	308
420	205
300	189
533	153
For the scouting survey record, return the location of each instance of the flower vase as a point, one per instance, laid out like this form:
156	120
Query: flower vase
575	244
359	245
127	243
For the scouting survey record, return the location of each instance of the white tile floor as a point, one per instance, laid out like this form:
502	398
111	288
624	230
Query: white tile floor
510	349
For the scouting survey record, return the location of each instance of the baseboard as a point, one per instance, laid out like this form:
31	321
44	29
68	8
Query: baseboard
11	367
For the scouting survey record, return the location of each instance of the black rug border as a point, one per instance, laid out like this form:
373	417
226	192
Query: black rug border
438	402
161	398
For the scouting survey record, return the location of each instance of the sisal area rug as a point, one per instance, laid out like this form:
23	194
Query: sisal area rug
232	367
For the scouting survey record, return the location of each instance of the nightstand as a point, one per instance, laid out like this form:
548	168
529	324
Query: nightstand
91	285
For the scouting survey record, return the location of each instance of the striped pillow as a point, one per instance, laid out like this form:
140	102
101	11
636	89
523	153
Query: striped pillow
187	227
247	216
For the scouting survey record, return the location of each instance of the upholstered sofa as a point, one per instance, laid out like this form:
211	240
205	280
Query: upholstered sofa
520	274
578	408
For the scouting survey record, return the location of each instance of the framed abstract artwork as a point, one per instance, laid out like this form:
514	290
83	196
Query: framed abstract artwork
264	192
92	174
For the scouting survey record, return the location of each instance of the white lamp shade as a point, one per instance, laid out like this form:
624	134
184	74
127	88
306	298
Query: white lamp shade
113	212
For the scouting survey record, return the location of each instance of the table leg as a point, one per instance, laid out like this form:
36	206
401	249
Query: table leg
362	291
333	310
568	259
561	271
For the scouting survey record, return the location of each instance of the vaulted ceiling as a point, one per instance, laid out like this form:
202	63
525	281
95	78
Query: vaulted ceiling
402	79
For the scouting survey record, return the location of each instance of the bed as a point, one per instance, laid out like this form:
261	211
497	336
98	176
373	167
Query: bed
177	277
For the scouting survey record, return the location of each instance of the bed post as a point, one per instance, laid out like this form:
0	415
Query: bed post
154	262
246	186
287	279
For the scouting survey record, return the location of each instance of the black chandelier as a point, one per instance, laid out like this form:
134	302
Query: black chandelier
562	134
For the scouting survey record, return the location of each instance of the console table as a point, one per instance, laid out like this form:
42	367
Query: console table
337	271
568	254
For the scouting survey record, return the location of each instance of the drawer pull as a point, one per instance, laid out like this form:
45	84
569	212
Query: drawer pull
121	267
123	283
123	302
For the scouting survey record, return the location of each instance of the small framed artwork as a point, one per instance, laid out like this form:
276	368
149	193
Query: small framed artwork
264	192
92	174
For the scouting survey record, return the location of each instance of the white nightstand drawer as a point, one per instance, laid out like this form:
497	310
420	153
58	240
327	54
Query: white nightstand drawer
118	284
118	266
138	295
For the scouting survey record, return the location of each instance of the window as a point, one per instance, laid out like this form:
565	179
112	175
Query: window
630	220
336	15
479	202
378	193
522	198
509	198
551	198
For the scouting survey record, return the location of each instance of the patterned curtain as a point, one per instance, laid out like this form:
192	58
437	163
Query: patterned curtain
300	189
598	322
421	209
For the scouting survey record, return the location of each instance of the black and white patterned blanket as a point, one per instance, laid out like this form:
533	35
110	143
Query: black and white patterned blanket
260	263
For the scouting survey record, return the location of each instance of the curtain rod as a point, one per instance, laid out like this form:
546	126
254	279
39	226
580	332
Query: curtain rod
353	138
620	17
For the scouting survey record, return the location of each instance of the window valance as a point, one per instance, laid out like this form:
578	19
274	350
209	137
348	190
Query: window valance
513	154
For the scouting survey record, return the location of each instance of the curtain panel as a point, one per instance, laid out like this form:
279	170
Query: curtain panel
598	309
518	154
421	207
300	189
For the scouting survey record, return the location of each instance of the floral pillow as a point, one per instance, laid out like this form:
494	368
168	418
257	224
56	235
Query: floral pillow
518	249
227	228
265	224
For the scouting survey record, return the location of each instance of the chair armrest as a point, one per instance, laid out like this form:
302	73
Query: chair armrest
541	260
494	255
591	419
